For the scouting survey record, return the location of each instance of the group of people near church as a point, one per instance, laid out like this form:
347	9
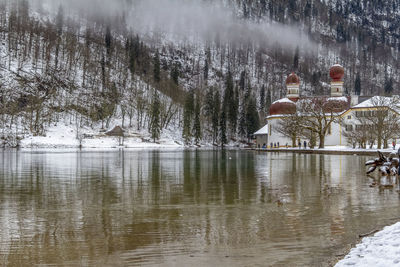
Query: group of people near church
276	145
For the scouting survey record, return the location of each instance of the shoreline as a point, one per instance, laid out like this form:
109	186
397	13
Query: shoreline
361	239
358	152
335	259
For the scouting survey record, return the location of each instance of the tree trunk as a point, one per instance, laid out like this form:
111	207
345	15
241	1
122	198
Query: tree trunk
123	119
321	141
379	142
385	143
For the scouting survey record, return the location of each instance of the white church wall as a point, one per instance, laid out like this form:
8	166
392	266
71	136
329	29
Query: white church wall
275	137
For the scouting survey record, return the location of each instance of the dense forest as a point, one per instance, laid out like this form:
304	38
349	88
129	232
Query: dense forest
208	80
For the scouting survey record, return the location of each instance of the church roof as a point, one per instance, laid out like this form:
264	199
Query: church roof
282	106
286	106
262	131
373	101
381	101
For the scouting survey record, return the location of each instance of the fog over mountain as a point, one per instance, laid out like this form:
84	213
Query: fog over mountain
186	19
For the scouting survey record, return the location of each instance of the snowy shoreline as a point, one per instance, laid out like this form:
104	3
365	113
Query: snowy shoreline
333	150
380	249
64	136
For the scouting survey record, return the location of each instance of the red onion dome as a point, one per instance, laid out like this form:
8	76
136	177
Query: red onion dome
336	73
282	106
292	79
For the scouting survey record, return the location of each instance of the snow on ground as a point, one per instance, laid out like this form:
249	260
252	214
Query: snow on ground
344	148
382	249
60	136
63	136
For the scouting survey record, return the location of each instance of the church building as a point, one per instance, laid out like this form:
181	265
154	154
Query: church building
336	103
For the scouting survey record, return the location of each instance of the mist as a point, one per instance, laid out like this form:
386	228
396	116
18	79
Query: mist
197	20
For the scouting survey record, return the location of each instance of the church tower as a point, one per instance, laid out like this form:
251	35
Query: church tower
337	73
293	86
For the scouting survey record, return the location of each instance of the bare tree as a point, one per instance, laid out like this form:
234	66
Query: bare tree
383	118
317	115
290	127
356	134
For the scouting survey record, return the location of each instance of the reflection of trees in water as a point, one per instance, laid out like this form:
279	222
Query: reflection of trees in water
96	204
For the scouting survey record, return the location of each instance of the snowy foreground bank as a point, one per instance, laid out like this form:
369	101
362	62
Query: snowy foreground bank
382	249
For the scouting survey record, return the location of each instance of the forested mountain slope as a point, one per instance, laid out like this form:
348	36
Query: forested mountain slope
205	71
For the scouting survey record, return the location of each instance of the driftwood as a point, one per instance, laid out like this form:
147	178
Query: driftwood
368	234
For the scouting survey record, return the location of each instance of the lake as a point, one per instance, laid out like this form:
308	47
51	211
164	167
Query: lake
184	208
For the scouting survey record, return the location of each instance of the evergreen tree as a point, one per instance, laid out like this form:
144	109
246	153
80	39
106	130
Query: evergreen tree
206	70
307	10
242	120
296	59
209	104
388	86
243	113
245	11
197	123
242	81
222	127
215	115
60	20
268	100
229	103
262	98
108	40
357	84
156	73
341	35
263	11
131	54
59	27
155	113
188	110
252	118
175	74
235	110
292	7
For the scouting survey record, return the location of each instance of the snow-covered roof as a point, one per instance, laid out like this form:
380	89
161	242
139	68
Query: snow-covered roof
338	98
374	101
283	100
277	116
262	131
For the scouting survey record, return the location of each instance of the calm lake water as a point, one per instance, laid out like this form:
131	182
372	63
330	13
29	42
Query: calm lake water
184	208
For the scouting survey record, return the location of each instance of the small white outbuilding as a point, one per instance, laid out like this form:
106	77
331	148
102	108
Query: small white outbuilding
261	137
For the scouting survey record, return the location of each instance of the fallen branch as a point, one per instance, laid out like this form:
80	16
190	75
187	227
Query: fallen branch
368	234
